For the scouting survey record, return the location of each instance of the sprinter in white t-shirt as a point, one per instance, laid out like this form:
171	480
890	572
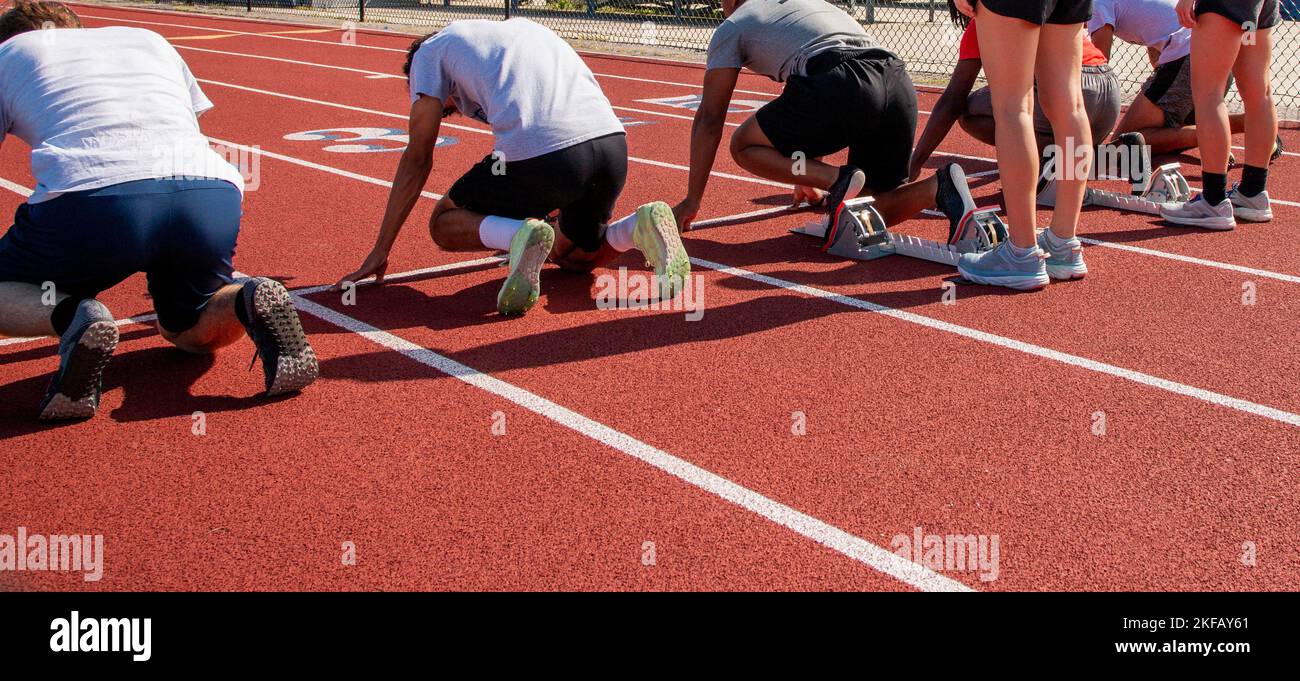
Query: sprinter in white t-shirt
559	147
125	183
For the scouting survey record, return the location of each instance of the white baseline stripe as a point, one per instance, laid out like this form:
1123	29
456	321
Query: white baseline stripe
819	531
1013	344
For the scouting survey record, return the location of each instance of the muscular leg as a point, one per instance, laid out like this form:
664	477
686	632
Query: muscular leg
217	327
1059	54
902	204
1215	44
1008	46
1252	73
23	312
754	152
454	228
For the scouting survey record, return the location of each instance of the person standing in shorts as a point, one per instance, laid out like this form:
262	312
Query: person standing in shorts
559	147
974	111
842	91
1022	42
125	183
1230	37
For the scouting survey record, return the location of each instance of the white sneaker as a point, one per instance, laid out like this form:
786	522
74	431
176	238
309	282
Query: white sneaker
1199	213
1250	208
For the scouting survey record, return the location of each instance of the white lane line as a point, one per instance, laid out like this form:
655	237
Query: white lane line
336	43
377	74
1288	278
1211	397
316	166
15	188
142	319
389	114
823	533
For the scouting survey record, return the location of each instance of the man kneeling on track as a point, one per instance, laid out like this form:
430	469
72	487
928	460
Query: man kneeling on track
559	146
842	91
1164	113
125	183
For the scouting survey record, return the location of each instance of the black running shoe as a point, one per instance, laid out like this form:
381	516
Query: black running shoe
847	186
84	351
953	198
1134	145
288	362
1278	150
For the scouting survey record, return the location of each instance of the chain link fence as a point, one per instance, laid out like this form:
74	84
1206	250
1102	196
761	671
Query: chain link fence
919	31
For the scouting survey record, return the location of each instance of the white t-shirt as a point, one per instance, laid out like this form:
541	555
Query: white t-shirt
1152	23
518	77
103	106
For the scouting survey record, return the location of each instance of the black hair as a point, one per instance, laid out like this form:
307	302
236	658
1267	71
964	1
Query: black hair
410	53
958	19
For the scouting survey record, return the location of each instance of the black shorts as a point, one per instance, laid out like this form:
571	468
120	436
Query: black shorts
864	102
1043	11
181	233
1249	14
582	182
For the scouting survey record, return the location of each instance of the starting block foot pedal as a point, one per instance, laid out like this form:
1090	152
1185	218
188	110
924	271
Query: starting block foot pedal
1166	184
857	231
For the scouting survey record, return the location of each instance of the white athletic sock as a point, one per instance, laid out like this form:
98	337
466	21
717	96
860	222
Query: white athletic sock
496	232
1054	240
619	234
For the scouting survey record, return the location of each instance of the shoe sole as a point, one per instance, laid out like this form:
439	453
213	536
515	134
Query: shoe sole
523	287
659	241
1067	272
297	366
1216	224
1017	282
78	395
1252	214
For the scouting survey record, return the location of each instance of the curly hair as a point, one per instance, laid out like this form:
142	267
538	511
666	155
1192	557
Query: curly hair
33	15
410	53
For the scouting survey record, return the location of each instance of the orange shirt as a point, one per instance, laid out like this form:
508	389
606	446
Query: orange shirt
970	47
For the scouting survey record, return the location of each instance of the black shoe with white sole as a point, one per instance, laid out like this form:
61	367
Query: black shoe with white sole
84	351
288	362
847	186
953	197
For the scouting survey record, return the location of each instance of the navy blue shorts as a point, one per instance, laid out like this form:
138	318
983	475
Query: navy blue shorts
181	233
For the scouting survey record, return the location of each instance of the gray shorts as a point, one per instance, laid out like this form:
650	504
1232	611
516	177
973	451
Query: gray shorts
1170	88
1101	99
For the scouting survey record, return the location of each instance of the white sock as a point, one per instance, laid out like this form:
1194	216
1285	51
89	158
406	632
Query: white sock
1018	251
619	234
496	232
1054	240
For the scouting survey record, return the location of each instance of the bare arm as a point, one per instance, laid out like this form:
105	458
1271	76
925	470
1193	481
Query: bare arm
1104	39
706	134
950	107
412	173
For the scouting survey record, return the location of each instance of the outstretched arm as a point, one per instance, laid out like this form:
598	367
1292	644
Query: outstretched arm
950	107
412	173
706	134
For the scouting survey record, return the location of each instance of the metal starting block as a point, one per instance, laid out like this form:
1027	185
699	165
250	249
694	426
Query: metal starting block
1165	185
860	234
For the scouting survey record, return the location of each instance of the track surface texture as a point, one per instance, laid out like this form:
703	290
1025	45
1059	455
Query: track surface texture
1135	430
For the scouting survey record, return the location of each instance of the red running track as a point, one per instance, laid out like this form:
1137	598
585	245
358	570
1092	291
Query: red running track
632	433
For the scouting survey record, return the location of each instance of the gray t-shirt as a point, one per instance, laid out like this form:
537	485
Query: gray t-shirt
776	38
518	77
